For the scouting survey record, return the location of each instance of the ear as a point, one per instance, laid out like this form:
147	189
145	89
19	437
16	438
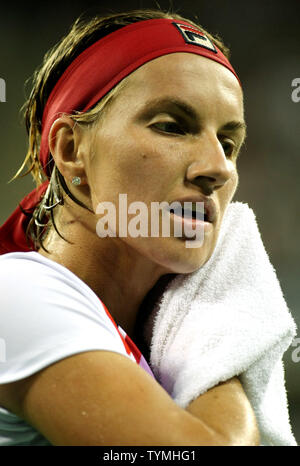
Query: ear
67	144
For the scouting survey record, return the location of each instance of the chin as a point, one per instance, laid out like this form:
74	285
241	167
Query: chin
177	258
192	265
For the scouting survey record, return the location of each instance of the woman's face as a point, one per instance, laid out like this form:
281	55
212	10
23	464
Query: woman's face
173	133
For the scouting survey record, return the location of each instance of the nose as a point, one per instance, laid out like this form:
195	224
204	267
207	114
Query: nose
209	169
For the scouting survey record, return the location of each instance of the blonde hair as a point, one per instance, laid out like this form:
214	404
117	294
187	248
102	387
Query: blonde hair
82	34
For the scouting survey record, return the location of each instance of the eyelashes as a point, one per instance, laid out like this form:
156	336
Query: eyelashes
170	127
228	147
173	128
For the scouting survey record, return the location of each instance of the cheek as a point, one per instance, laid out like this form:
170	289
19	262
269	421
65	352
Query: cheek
232	184
135	166
227	192
225	197
235	182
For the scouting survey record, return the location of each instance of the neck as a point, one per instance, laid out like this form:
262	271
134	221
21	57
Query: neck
117	273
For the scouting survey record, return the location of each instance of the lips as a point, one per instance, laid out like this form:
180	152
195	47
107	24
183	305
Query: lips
210	210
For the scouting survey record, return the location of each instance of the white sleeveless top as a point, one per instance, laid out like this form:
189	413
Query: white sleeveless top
46	314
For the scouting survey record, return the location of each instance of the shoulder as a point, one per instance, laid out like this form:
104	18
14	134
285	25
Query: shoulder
31	268
47	313
30	277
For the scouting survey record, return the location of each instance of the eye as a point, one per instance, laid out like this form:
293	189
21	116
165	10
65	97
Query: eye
228	147
169	127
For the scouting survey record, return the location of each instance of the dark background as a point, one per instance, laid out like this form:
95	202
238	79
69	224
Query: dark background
264	37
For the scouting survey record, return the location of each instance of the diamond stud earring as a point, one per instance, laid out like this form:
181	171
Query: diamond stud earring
76	180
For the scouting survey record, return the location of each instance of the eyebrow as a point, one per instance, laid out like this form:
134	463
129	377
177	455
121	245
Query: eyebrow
155	104
234	126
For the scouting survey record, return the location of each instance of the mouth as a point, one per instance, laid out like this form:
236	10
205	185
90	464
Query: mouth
193	216
190	213
194	209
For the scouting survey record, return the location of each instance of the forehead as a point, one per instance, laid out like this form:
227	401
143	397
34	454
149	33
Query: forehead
198	80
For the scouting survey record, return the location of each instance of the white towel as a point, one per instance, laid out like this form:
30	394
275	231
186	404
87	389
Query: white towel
229	318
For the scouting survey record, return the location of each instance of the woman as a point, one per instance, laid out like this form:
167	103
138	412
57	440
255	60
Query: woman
144	104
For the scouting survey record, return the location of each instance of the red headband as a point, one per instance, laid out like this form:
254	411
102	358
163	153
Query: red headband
92	75
105	63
